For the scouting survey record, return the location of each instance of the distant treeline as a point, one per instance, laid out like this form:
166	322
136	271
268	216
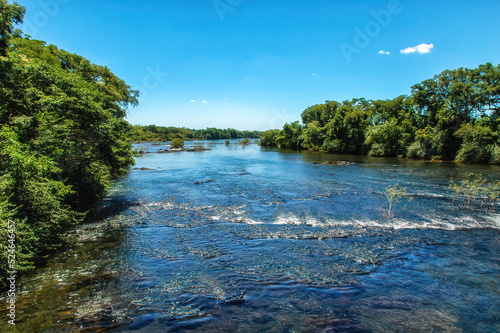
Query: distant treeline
453	116
138	133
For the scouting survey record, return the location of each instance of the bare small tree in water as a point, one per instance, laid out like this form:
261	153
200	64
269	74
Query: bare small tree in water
393	195
474	192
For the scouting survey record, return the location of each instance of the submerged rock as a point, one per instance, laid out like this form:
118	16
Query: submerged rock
171	150
198	149
234	299
141	322
206	181
335	163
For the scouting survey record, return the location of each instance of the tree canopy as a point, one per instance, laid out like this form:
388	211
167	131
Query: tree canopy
62	138
454	116
138	133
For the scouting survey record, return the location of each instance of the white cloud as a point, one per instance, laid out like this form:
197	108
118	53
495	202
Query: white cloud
384	52
314	74
204	102
421	48
192	101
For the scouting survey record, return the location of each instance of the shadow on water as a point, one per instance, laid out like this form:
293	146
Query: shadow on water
109	207
285	246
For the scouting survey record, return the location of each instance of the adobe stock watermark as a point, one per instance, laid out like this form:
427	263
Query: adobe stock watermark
152	80
49	9
11	263
280	118
372	29
223	6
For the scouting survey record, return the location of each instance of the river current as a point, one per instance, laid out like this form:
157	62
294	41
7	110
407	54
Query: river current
248	239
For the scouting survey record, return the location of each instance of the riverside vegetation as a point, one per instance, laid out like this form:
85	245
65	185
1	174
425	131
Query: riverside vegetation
62	139
138	133
453	116
393	195
475	192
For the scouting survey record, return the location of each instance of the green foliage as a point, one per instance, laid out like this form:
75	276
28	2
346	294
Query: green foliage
392	129
245	141
393	195
387	139
10	14
454	98
289	136
345	132
454	116
32	189
218	134
320	113
312	136
62	138
428	143
24	252
138	133
474	192
268	138
495	154
478	143
177	143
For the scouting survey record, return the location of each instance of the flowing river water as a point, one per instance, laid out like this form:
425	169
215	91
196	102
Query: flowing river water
272	243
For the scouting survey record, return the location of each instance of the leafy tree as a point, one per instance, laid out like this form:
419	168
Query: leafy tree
478	143
475	192
177	143
393	195
138	133
385	139
457	97
289	136
312	136
454	116
62	138
268	138
10	14
321	113
345	131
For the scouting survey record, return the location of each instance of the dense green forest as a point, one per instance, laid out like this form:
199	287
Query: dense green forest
138	133
62	139
453	116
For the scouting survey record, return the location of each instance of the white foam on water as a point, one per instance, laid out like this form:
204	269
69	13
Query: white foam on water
296	220
160	205
397	223
241	214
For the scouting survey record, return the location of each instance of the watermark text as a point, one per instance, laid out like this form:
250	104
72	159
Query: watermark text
11	262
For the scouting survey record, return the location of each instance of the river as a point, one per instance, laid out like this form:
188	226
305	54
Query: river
269	241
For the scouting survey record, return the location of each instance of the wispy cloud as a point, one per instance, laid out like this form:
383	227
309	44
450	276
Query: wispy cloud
192	101
204	102
384	52
422	49
314	74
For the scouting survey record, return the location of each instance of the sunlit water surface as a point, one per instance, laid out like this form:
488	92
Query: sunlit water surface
274	243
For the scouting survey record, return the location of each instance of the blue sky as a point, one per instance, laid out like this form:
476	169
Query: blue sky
256	64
